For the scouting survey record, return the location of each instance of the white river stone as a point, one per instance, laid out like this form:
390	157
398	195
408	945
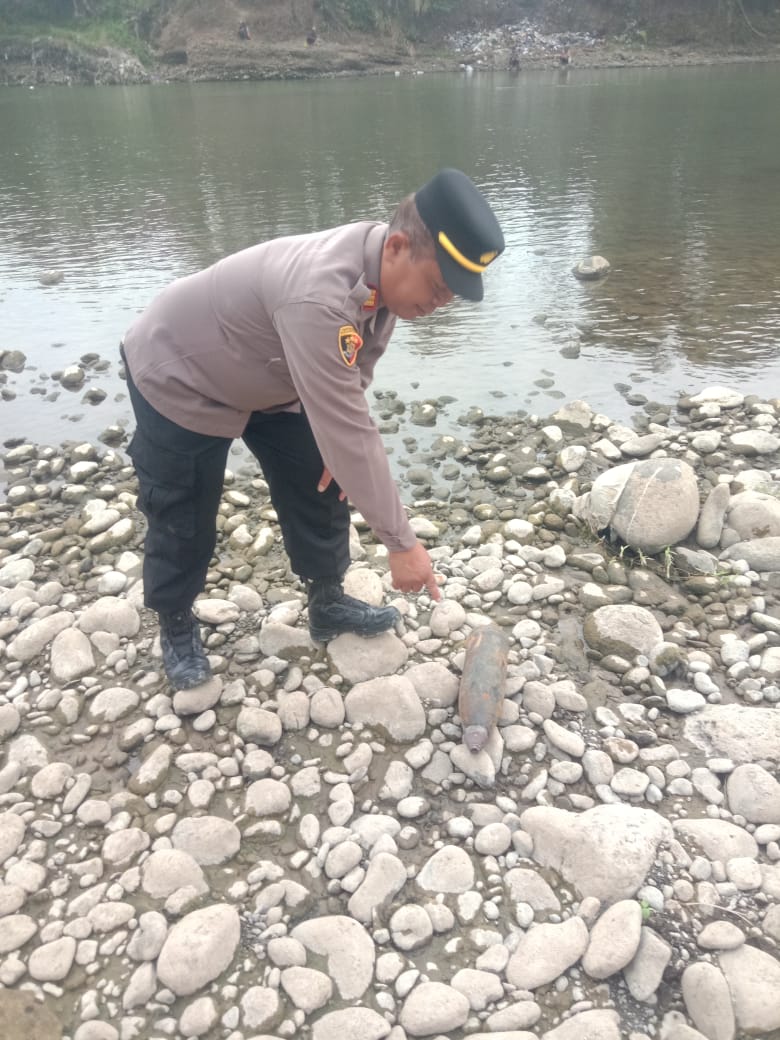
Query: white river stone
614	939
644	974
12	830
267	797
198	1017
356	1023
605	851
152	771
448	870
707	1000
199	948
307	988
741	733
210	840
110	614
390	703
433	1007
112	704
718	839
360	660
167	870
481	988
754	793
545	952
148	938
260	1007
50	781
588	1025
31	640
435	685
753	977
17	929
122	847
71	656
348	948
385	877
410	927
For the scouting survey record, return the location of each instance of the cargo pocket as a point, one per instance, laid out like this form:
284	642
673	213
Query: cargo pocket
166	486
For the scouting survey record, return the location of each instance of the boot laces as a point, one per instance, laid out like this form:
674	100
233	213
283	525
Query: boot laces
179	629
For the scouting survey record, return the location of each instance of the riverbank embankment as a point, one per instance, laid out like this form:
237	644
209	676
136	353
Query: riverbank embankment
221	56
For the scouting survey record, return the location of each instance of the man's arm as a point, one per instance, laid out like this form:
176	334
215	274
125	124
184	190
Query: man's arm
335	404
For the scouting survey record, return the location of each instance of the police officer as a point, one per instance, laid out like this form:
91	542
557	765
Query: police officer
277	344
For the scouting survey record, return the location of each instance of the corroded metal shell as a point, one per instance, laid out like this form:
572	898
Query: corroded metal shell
483	684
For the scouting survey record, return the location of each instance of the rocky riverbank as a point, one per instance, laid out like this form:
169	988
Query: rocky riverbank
304	847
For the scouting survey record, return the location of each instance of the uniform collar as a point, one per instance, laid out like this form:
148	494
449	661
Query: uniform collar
372	265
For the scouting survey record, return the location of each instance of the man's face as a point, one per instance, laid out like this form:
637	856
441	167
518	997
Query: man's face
410	287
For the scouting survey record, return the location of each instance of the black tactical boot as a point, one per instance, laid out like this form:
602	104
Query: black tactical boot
331	612
185	662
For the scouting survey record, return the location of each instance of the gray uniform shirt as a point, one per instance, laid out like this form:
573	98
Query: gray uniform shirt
289	321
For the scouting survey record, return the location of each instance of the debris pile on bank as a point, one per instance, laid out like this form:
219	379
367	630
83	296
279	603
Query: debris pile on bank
521	43
304	846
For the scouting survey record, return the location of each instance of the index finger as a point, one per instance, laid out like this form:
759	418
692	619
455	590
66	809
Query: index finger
433	587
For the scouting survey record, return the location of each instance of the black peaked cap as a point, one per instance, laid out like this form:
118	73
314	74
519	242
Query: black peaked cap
464	229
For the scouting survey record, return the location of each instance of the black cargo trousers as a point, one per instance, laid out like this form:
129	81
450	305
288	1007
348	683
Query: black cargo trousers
180	477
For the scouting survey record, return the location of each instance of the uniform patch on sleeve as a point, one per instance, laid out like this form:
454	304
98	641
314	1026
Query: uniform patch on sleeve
350	343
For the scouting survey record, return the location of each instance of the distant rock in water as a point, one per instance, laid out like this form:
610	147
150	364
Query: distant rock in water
592	269
12	360
50	277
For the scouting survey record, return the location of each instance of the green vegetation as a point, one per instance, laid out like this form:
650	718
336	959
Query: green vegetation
124	24
647	910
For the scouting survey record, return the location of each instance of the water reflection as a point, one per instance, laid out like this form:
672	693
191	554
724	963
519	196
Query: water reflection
671	174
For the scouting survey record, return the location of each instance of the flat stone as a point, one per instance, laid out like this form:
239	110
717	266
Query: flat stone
52	961
718	839
644	974
720	935
614	939
390	703
753	978
384	879
545	952
708	1001
347	947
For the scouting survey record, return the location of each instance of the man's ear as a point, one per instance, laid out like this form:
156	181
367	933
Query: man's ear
396	243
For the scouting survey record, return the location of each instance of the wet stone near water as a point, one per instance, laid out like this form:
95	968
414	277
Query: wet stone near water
306	847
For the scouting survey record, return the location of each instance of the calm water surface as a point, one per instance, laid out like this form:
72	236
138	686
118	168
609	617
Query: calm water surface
673	175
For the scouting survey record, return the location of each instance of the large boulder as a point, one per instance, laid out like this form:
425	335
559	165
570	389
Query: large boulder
604	852
648	504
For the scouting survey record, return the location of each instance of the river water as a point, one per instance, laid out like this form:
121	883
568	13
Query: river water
672	174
